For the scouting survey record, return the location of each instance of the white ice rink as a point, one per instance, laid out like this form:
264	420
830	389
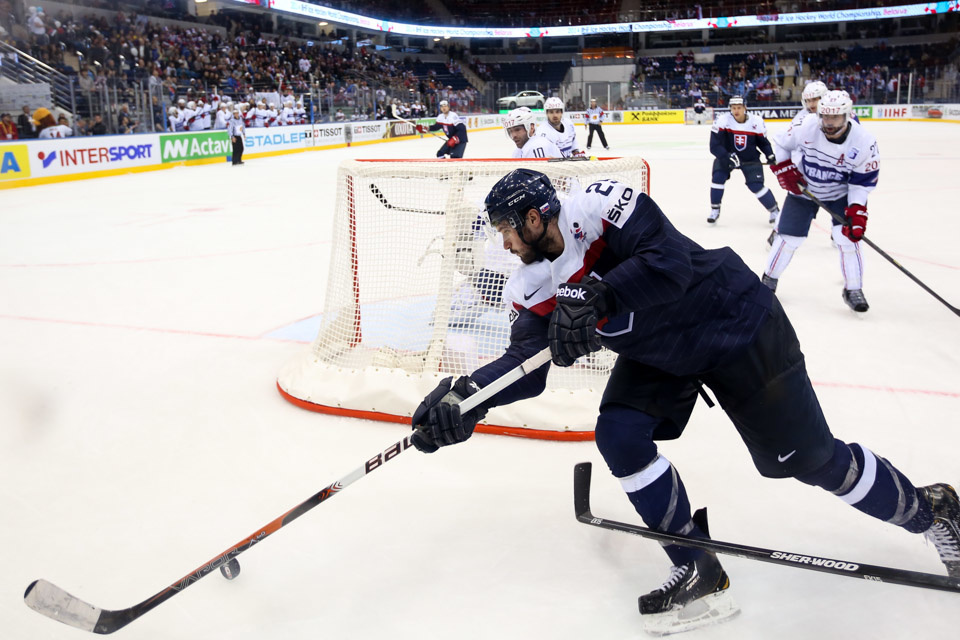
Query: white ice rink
141	432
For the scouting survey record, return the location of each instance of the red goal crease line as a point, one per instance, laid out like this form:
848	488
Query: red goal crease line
518	432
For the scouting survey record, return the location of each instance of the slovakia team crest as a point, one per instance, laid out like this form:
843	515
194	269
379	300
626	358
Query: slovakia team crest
740	141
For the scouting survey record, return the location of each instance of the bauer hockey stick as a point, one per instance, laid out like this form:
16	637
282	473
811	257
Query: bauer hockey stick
842	220
52	601
581	503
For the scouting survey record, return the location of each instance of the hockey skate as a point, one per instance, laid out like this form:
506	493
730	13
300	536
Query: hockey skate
944	533
713	215
695	595
855	300
771	283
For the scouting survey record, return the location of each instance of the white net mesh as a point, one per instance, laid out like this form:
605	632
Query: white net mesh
413	293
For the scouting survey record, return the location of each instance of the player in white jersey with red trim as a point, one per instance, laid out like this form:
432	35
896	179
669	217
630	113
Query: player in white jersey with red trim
809	100
520	126
840	165
559	129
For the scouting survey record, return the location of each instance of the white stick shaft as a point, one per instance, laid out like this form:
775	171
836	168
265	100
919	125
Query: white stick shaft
532	363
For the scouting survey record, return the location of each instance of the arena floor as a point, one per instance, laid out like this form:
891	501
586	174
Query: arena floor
143	432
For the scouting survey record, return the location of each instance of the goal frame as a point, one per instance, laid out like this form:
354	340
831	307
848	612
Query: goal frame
516	426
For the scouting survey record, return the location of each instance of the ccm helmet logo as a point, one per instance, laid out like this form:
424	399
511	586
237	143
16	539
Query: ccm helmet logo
572	294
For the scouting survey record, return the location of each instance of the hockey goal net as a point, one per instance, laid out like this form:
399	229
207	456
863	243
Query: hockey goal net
413	296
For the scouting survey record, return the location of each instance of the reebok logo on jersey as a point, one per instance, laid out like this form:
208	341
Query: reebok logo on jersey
571	294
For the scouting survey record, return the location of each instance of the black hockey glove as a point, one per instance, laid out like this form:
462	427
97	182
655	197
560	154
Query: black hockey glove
437	422
733	161
573	325
772	159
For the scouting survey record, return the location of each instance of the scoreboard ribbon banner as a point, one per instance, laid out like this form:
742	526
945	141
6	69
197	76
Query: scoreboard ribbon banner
317	12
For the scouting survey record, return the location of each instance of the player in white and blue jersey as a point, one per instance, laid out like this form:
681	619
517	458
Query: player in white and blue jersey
840	165
520	125
559	129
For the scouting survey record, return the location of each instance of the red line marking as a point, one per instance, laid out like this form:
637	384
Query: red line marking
210	334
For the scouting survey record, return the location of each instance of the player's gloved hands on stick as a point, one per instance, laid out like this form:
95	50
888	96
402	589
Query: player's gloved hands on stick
856	222
420	128
573	325
733	161
789	176
772	159
437	422
452	142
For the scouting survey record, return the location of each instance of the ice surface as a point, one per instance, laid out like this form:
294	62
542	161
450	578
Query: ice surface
143	320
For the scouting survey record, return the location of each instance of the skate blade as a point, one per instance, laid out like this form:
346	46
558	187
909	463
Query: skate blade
709	610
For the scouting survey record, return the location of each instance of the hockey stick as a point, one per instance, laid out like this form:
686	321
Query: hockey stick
581	503
842	220
375	190
52	601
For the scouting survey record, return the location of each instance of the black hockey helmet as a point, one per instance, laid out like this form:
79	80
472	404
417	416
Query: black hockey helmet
518	192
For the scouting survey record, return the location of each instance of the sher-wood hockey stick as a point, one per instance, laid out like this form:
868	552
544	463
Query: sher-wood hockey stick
375	190
581	502
52	601
842	220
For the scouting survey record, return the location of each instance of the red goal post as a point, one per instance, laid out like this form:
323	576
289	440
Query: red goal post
413	295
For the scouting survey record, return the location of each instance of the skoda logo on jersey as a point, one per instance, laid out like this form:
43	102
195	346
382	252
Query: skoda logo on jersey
577	231
740	141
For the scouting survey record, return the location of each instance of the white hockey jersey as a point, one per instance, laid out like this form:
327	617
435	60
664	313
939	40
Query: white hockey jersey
565	140
538	147
850	168
533	285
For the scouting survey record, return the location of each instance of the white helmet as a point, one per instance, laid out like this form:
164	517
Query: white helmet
172	111
812	91
191	105
835	103
271	106
444	103
553	103
181	102
520	117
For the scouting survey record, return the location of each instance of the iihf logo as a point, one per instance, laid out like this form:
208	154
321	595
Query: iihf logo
578	233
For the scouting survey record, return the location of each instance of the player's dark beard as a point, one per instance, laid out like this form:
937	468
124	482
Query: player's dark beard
838	139
538	254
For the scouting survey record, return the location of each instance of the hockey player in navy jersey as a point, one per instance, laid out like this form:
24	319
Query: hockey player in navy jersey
737	140
453	128
677	315
839	163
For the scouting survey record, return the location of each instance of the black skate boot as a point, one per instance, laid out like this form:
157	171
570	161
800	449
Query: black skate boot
694	595
855	300
944	533
771	283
